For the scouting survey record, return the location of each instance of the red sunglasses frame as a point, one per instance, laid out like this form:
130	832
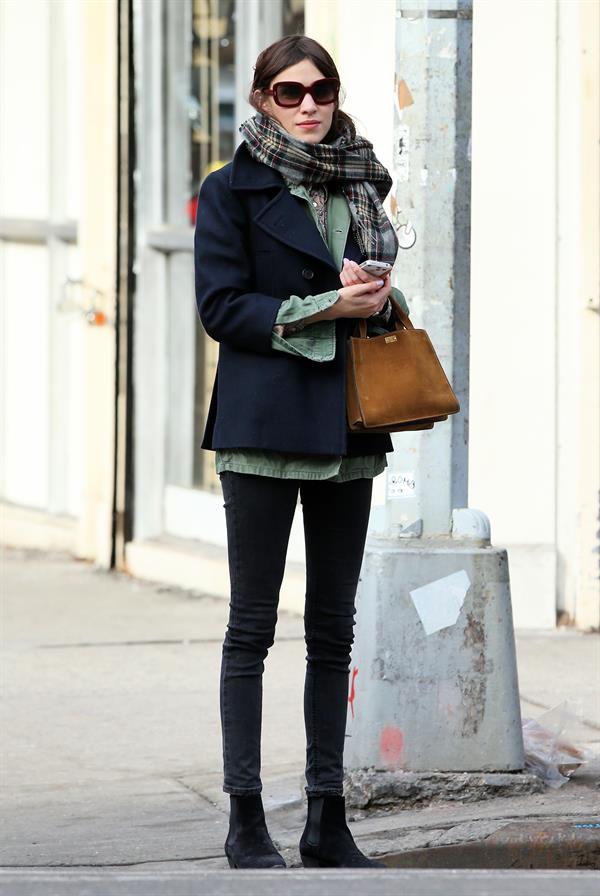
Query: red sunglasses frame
274	92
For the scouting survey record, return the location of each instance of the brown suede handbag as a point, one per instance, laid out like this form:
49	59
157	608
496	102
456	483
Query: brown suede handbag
395	381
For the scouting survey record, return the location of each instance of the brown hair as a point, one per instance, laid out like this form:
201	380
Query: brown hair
288	51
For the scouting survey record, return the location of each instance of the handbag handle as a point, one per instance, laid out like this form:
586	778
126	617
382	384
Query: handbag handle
401	320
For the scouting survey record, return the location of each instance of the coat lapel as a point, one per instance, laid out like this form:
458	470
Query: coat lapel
286	220
282	216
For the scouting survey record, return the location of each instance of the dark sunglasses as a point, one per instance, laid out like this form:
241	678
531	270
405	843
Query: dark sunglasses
291	93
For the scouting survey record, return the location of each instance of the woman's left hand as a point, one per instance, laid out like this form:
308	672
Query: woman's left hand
352	273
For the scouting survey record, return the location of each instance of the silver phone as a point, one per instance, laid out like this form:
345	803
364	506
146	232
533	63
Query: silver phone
376	268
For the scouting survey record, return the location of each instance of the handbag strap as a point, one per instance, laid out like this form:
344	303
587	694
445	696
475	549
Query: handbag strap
401	320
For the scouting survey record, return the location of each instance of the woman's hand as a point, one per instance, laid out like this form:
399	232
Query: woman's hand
362	299
352	273
362	295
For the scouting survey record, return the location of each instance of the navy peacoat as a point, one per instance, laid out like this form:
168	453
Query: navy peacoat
254	246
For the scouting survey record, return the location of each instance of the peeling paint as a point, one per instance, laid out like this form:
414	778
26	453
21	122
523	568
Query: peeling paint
404	95
447	52
473	687
402	153
473	691
474	632
378	668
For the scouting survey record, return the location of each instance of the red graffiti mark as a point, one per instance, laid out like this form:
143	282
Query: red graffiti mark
391	745
352	689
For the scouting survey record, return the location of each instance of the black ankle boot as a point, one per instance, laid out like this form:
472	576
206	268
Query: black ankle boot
326	841
248	844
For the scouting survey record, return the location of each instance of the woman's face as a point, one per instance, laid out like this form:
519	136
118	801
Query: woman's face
308	121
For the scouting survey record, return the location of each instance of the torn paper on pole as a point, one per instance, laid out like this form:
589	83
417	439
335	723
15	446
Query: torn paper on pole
439	603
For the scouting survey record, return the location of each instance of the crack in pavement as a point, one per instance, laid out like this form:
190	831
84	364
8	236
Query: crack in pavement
220	855
199	793
132	643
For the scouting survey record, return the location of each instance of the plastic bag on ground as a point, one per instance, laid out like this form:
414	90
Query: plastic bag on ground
549	751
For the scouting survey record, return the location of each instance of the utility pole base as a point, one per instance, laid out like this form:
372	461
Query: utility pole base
433	675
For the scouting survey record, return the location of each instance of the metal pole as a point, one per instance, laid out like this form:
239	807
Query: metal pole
428	471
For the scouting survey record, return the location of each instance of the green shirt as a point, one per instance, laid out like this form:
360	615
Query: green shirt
316	342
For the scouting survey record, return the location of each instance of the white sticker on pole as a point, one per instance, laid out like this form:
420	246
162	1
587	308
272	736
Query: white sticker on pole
439	603
401	485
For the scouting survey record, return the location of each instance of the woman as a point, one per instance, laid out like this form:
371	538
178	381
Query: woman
280	234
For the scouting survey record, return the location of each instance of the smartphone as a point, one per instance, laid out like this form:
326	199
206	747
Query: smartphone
377	268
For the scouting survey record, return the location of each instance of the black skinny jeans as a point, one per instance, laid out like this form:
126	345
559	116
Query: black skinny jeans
259	513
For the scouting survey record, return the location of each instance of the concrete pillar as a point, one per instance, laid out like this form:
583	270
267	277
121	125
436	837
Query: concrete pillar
433	675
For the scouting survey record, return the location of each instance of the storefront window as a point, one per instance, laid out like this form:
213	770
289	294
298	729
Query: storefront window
212	90
293	17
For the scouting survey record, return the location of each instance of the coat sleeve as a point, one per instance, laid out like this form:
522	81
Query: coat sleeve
229	310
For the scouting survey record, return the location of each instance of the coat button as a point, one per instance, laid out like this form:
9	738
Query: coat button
308	274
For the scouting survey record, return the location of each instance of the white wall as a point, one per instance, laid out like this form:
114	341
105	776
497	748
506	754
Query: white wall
513	292
25	362
25	108
534	428
24	268
41	394
513	268
578	321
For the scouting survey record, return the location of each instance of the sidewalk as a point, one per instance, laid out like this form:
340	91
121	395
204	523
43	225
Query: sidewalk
112	746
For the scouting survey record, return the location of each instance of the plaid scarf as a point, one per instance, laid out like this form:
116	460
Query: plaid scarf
351	161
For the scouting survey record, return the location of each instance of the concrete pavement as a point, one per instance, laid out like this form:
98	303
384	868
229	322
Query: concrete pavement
112	747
